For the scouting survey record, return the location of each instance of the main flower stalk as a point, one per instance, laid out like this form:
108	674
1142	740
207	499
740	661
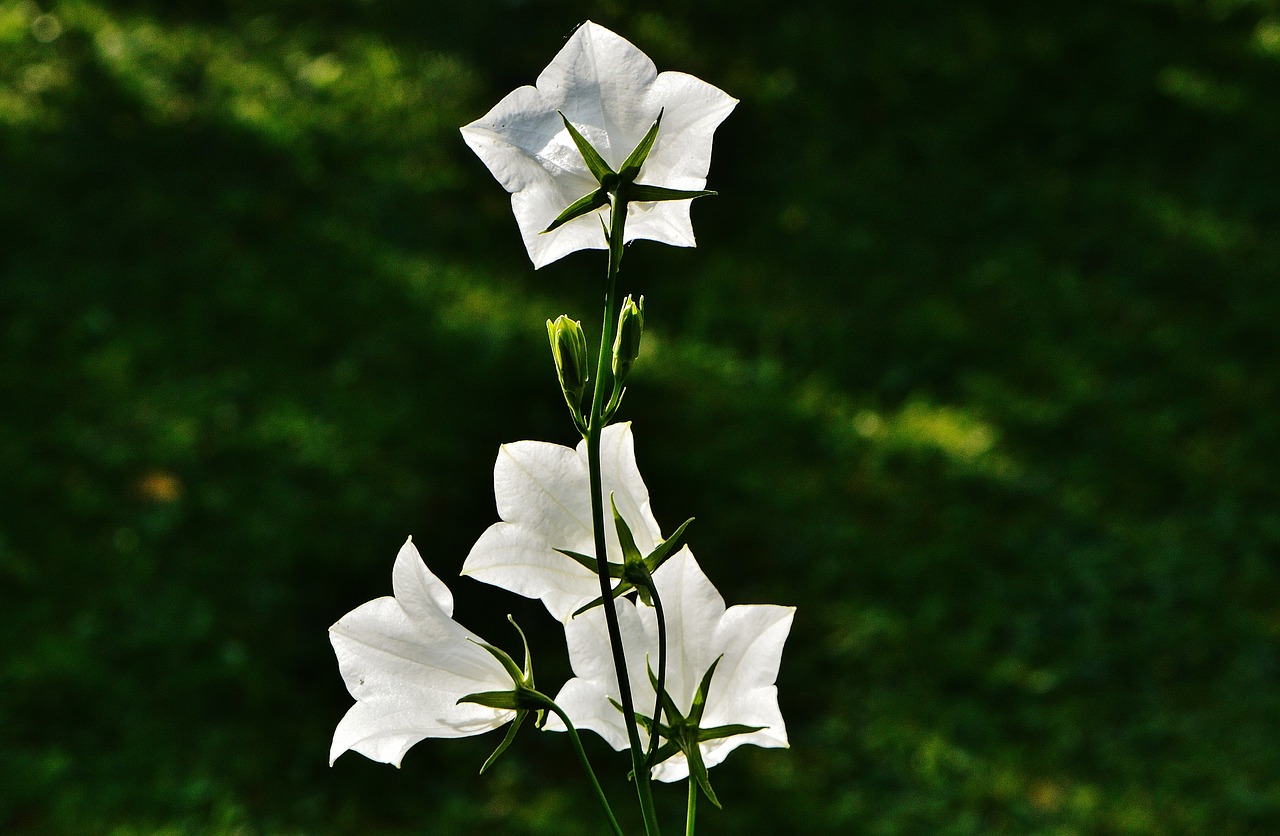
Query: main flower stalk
595	425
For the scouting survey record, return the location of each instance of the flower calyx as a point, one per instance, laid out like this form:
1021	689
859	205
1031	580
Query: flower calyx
635	573
617	188
682	733
522	698
569	350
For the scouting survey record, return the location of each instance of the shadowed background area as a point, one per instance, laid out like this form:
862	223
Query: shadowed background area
975	365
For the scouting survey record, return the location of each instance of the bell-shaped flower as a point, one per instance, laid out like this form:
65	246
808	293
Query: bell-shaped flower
544	499
608	92
408	663
720	670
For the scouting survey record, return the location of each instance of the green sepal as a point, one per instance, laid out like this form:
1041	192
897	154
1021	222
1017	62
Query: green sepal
700	695
618	591
519	698
507	700
516	674
631	167
634	570
638	575
588	562
528	657
667	547
587	203
614	402
698	771
668	704
637	193
719	732
506	741
521	678
656	558
630	552
663	752
599	168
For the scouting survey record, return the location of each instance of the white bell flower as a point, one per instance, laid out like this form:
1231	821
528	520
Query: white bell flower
407	663
544	499
613	95
746	640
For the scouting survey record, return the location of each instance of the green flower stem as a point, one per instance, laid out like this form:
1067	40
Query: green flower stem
662	671
692	811
595	426
586	765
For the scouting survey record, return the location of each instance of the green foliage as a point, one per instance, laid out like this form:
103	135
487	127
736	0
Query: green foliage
976	366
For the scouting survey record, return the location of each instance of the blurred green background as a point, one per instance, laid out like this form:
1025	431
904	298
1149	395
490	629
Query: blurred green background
976	364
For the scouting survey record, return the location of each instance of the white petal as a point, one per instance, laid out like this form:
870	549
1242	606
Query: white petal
407	668
519	560
544	488
525	145
748	639
384	729
591	655
667	222
743	690
421	593
693	608
599	79
535	209
752	637
691	111
674	768
588	706
381	650
620	476
611	92
543	493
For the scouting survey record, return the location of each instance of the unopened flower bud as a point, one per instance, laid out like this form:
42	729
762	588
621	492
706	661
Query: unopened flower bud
569	348
626	346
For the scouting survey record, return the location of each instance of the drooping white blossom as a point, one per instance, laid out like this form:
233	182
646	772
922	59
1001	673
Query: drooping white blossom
407	662
747	639
544	499
613	94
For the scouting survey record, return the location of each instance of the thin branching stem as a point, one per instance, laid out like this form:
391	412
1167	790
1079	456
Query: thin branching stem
691	812
595	426
586	765
662	672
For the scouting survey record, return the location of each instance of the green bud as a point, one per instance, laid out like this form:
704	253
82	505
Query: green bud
626	346
569	348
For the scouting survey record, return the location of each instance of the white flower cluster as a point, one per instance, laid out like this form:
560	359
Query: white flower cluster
406	662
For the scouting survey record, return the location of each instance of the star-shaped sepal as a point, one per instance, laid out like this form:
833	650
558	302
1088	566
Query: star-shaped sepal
617	187
682	734
635	573
523	698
